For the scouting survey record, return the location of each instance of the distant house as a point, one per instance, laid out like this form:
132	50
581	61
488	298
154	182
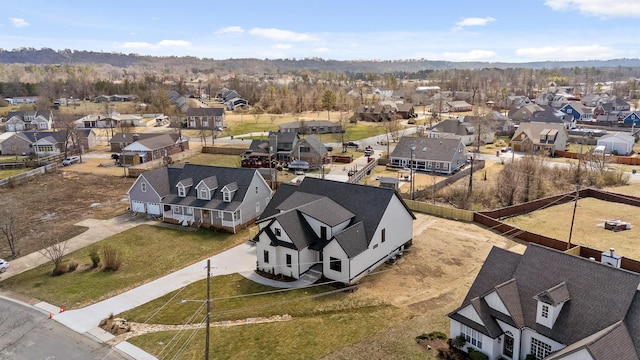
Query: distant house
28	120
524	113
87	138
617	144
444	156
375	113
633	118
577	111
15	143
201	196
236	103
466	131
119	141
338	230
540	137
153	148
285	148
311	150
17	100
406	110
312	127
552	305
231	99
459	106
204	118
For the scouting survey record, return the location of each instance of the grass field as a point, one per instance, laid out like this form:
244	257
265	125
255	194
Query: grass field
166	250
588	230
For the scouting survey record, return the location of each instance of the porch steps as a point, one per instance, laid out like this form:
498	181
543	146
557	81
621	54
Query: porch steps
312	275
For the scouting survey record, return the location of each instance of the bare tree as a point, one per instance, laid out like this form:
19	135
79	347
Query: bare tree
8	220
54	250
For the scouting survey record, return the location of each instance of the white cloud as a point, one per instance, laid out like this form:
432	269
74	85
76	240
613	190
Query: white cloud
322	50
599	8
236	30
474	21
473	55
17	22
586	52
282	46
280	35
174	43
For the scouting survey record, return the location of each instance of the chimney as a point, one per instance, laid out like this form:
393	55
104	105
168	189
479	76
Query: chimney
610	258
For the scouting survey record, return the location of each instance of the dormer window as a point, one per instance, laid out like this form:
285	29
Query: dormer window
226	196
181	191
544	312
183	187
204	194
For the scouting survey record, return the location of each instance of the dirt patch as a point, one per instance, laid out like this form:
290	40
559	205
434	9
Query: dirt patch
50	204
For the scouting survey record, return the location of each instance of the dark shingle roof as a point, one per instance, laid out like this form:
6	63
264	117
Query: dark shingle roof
205	112
596	296
432	149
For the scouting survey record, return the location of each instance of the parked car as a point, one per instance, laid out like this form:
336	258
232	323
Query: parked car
4	265
352	144
368	151
70	160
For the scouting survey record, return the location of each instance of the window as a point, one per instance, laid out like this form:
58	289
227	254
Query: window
226	196
181	191
437	165
265	255
177	210
204	194
375	246
383	235
305	149
278	232
429	164
539	349
257	207
545	311
256	190
220	214
472	336
143	187
507	349
323	232
335	264
188	210
288	260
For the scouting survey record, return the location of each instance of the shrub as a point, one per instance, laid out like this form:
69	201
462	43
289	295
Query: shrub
477	355
59	269
111	258
457	342
72	266
95	258
432	336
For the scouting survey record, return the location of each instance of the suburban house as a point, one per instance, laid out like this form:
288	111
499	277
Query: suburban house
312	127
311	150
617	144
375	113
464	128
28	120
444	156
406	110
17	100
450	106
551	305
340	230
524	113
578	111
153	148
122	140
632	119
116	120
204	118
201	196
15	143
231	99
540	137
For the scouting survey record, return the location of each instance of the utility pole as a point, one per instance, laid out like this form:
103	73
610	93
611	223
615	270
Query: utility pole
208	303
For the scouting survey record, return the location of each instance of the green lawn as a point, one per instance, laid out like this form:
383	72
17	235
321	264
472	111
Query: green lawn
7	173
322	321
148	252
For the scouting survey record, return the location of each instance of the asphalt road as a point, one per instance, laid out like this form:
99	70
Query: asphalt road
27	333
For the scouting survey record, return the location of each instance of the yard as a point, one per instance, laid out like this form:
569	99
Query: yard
50	205
379	320
588	229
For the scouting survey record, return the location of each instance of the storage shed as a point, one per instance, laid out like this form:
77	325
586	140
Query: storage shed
617	144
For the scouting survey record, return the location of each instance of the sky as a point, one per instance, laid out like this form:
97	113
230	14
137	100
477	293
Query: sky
451	30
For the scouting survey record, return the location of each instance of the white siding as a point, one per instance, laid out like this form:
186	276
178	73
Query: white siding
333	249
398	224
516	338
527	334
283	235
494	302
470	313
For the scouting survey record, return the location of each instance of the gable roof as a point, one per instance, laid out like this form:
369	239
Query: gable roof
597	295
204	112
434	149
164	181
454	126
366	203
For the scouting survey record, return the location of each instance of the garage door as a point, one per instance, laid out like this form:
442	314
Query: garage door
153	208
137	206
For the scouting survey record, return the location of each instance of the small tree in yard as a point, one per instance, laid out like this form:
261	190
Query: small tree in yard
54	250
8	226
111	258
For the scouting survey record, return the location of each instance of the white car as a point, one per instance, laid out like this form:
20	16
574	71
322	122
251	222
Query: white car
70	160
4	265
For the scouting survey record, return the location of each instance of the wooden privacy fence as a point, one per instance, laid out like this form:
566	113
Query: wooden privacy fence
441	211
223	150
16	179
491	219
